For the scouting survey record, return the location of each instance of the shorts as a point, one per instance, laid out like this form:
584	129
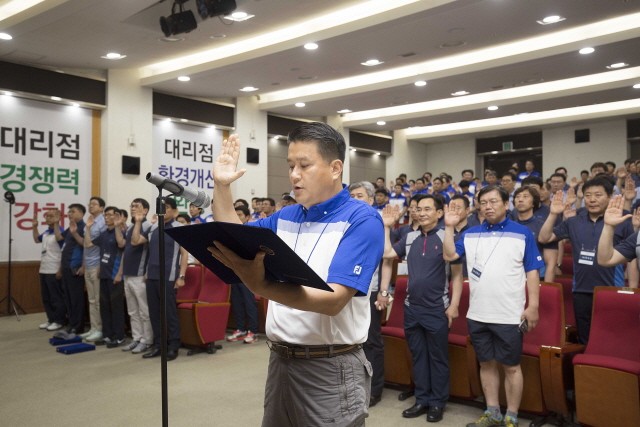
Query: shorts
492	341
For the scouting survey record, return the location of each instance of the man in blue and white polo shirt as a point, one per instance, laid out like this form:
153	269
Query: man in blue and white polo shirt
316	337
502	257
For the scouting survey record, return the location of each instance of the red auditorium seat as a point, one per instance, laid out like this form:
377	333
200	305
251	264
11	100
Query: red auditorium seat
459	383
607	375
205	321
192	283
397	357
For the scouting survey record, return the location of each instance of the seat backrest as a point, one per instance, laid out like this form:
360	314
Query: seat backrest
615	323
567	288
192	284
459	325
213	288
566	265
550	329
396	317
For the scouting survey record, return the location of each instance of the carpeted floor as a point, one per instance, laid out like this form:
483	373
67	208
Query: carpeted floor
106	387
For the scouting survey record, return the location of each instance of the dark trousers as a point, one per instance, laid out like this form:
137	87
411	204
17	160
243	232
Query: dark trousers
73	289
112	309
173	325
427	335
243	305
374	348
582	306
53	298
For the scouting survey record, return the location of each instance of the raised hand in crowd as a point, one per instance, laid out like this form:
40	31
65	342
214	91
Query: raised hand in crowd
573	183
629	192
390	215
451	217
635	220
571	196
225	168
90	221
569	211
614	213
557	204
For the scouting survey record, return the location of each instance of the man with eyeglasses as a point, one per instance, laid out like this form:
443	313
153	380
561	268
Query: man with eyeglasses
501	257
427	311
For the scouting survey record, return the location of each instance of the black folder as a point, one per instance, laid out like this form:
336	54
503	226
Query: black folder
281	263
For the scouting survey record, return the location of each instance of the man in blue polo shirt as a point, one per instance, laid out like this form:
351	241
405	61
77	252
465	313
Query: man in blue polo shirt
427	312
584	230
72	269
315	336
501	257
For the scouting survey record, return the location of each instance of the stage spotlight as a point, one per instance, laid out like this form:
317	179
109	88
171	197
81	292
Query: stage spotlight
209	8
9	197
178	22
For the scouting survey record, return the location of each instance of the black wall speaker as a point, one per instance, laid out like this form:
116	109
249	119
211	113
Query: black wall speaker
253	155
582	135
131	165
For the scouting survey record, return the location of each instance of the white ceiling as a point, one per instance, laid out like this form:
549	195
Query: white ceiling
494	49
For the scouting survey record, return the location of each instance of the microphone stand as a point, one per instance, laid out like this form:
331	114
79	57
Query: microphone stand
160	212
11	302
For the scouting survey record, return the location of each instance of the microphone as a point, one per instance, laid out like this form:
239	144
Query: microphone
197	197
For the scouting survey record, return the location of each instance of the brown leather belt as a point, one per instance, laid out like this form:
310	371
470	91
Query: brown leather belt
292	351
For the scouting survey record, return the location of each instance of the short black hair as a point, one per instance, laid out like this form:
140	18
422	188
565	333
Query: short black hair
559	175
330	143
599	181
464	184
243	201
437	200
460	197
489	188
467	170
78	206
243	209
184	216
111	208
381	191
534	193
143	202
100	201
270	200
532	180
171	202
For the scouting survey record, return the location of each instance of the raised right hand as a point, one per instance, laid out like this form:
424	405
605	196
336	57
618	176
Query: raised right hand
226	164
557	204
613	215
451	218
390	215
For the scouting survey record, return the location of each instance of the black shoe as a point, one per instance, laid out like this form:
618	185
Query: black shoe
374	401
155	352
415	411
172	354
435	414
115	343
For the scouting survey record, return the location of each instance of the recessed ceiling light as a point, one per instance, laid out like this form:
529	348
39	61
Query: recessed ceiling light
372	62
311	46
551	20
494	152
7	93
617	65
184	78
353	150
218	36
171	39
184	120
5	36
492	107
56	98
586	50
167	119
636	86
377	154
113	56
75	104
460	93
238	16
343	111
248	89
381	123
300	104
420	83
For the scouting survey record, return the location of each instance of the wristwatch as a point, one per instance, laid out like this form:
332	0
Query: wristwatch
384	293
181	276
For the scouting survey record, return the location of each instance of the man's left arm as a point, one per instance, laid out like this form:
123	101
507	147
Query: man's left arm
456	292
533	292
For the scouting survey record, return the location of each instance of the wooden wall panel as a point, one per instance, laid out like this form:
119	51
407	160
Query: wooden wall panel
25	286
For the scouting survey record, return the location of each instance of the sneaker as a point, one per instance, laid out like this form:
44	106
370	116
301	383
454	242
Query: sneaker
54	326
44	325
486	420
510	422
250	338
114	343
141	348
131	346
94	336
86	334
237	335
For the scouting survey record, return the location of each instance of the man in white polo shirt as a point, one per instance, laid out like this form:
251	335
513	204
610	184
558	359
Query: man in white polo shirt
318	373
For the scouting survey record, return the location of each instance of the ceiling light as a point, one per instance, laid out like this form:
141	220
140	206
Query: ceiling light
353	150
311	46
381	123
586	50
56	98
238	16
551	20
300	104
5	36
377	154
460	93
178	22
184	78
372	62
343	111
617	65
7	93
167	119
184	120
635	86
492	107
113	56
171	39
248	89
210	8
75	104
420	83
494	152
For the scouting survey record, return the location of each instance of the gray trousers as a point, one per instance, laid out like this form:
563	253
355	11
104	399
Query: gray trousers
325	392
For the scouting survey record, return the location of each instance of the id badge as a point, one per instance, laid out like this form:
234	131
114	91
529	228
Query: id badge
476	271
586	257
105	258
